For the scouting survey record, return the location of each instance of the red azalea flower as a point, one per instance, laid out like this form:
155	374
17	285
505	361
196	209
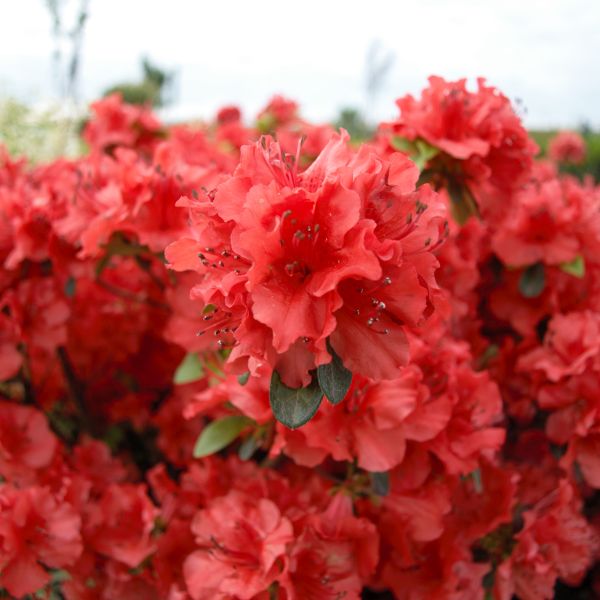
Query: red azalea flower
115	123
279	111
228	114
571	345
39	308
552	222
173	547
478	129
37	530
120	524
334	554
26	443
92	459
434	570
342	249
242	544
556	542
567	147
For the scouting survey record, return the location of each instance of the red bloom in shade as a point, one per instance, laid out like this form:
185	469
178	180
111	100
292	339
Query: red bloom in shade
119	525
479	509
41	311
10	357
556	542
586	451
177	436
26	443
479	129
92	459
242	544
36	530
571	345
172	549
444	572
342	249
575	420
567	147
333	555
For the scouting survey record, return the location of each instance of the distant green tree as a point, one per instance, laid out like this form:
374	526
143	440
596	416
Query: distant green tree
152	89
352	120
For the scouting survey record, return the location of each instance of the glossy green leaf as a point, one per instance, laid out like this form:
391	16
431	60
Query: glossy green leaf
243	378
402	144
294	406
533	281
424	153
189	370
419	151
380	483
218	434
334	378
575	267
248	447
70	287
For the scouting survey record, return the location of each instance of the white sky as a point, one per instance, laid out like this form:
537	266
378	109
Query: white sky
546	52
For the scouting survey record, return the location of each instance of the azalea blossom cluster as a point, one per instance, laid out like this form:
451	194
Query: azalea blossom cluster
271	362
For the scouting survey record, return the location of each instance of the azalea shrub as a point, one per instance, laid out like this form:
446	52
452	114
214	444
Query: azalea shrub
267	362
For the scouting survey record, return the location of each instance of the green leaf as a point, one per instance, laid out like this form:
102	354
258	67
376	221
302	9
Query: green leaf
60	576
425	152
119	245
243	378
248	447
334	379
70	286
294	406
402	144
189	370
575	267
533	281
218	434
419	151
463	205
380	482
267	123
488	354
477	482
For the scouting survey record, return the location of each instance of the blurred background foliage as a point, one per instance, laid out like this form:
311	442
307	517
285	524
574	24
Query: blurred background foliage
590	165
42	134
39	134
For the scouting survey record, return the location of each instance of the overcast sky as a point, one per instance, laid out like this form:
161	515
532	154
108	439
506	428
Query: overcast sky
545	52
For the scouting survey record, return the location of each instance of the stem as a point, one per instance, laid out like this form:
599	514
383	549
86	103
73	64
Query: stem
75	388
29	394
113	289
146	266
